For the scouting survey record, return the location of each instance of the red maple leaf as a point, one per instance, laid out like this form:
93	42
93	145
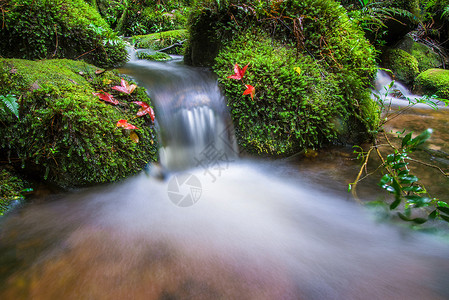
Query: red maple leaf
238	73
125	124
106	97
250	90
145	109
125	87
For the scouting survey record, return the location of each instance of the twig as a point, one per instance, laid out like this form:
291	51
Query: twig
354	184
429	165
177	44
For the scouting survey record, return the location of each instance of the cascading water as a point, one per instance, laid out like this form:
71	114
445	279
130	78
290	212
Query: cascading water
249	235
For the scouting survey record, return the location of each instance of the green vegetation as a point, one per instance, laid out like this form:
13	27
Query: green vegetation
403	64
67	135
310	79
433	82
424	54
12	188
144	17
58	29
157	56
412	203
161	40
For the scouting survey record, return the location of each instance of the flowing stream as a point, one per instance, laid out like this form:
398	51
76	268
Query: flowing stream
213	226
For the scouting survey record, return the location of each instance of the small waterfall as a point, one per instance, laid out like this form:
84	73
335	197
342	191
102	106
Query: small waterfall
194	124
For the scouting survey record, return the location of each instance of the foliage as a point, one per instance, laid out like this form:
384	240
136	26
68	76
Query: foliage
65	133
144	17
425	55
433	81
8	107
403	64
12	188
411	203
156	56
327	103
162	40
58	29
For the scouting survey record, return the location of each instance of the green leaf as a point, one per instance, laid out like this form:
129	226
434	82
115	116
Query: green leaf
408	179
10	103
445	218
413	188
418	201
422	138
385	179
395	203
443	209
406	139
443	204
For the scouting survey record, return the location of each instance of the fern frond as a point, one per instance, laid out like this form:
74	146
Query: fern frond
9	103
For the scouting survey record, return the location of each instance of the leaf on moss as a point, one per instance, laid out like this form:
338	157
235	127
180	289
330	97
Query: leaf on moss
124	124
145	109
125	87
250	90
106	97
238	73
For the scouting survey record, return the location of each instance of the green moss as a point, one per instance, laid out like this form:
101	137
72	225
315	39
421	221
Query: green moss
144	17
402	64
157	56
66	134
433	82
12	188
58	29
327	103
426	57
161	40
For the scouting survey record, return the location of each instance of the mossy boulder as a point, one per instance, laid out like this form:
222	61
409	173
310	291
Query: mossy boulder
144	17
65	134
403	65
433	82
12	189
427	58
156	56
161	40
58	29
310	78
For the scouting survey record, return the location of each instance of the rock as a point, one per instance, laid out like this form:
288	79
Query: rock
427	58
433	82
65	134
310	72
403	65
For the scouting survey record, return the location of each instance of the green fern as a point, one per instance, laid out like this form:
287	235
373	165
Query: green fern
8	105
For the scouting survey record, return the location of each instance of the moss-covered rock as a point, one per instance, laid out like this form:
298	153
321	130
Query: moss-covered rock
403	65
67	135
58	29
310	77
427	58
161	40
144	17
157	56
433	82
12	189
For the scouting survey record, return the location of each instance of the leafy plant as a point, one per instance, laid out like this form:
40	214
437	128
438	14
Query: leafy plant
8	106
412	202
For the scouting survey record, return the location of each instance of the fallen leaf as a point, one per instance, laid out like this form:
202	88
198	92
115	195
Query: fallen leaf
134	137
106	97
238	73
125	87
125	124
250	90
298	70
98	71
145	109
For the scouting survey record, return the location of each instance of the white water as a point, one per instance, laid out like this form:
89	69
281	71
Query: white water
254	232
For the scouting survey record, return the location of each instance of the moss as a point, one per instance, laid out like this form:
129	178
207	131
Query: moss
426	57
327	103
58	29
161	40
402	64
12	189
157	56
433	82
144	17
66	134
